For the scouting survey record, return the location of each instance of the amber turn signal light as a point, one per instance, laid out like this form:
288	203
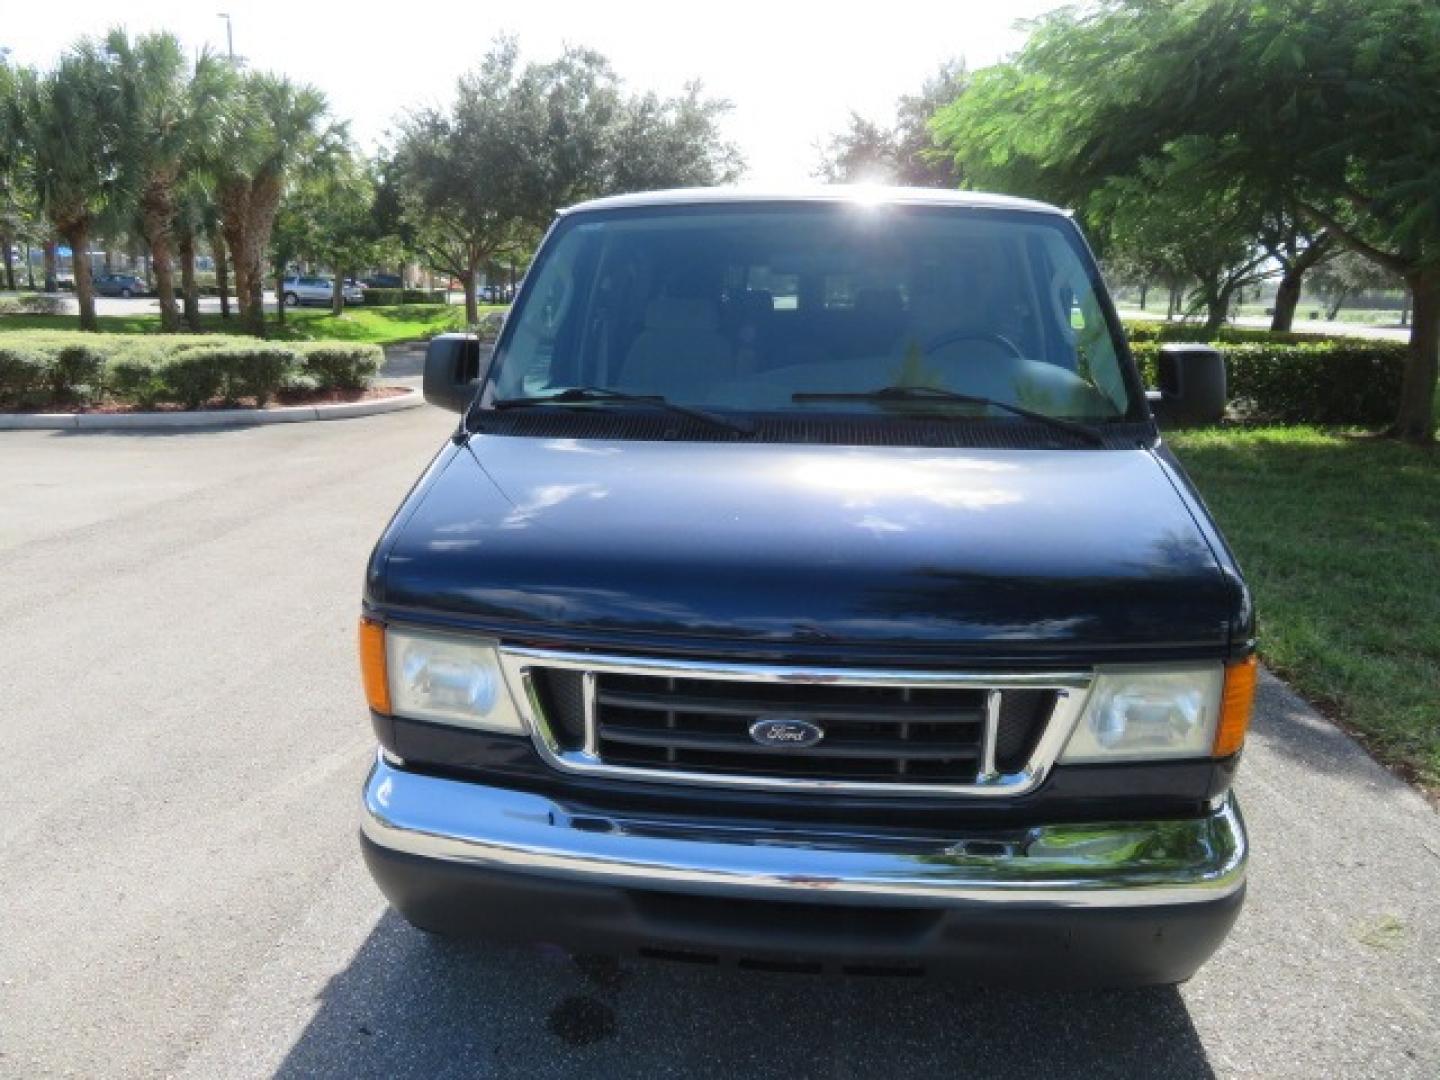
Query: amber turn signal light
372	665
1235	706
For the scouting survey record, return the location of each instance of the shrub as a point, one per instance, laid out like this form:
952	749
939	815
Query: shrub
75	372
193	378
136	379
23	375
61	366
391	297
1339	382
34	304
1144	331
342	367
258	372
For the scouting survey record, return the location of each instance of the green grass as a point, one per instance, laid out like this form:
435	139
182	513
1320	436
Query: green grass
374	325
1339	536
1364	316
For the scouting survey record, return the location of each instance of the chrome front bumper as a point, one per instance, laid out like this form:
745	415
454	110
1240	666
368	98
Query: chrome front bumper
1116	865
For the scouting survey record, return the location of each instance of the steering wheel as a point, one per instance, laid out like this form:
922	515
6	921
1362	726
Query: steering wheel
974	335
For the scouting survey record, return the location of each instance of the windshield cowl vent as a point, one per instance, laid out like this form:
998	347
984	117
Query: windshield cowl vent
886	430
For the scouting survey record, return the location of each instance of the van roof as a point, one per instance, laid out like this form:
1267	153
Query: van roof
829	193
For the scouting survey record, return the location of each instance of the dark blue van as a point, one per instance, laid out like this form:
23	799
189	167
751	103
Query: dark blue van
808	586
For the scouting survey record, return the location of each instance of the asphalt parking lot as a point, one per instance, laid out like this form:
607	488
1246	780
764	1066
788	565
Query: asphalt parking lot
181	891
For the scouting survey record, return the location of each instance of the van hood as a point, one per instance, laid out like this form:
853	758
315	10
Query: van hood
1005	550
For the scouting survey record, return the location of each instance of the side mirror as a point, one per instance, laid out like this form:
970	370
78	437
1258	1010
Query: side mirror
452	367
1192	386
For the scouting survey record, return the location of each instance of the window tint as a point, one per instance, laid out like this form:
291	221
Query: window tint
742	309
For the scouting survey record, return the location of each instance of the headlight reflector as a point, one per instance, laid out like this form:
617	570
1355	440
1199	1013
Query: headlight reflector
1142	713
449	679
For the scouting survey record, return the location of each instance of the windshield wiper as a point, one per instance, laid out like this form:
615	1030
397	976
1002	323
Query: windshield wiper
578	395
934	393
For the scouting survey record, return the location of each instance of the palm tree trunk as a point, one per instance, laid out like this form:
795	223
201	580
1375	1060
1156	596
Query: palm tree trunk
5	242
157	212
164	282
188	287
247	270
242	280
1415	422
232	198
222	271
249	279
52	276
78	237
264	200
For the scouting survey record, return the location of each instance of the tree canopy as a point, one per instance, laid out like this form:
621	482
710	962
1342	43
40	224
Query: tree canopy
903	151
1328	107
480	179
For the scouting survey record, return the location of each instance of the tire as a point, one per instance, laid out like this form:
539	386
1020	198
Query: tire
291	300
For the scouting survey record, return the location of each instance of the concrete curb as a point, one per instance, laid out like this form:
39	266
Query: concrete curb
215	418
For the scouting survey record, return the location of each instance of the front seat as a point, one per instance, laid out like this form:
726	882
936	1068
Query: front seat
680	349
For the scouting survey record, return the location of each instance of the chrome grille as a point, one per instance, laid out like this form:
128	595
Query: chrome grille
900	731
891	733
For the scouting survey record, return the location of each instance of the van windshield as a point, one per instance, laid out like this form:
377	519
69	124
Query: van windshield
789	308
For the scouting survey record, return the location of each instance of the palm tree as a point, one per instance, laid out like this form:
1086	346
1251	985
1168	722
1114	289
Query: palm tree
68	148
277	129
167	124
10	210
194	210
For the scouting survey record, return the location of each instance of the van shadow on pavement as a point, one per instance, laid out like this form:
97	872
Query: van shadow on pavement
412	1005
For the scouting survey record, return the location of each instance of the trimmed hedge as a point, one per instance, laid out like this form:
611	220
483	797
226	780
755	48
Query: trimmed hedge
391	297
341	367
1336	382
1196	332
34	304
39	368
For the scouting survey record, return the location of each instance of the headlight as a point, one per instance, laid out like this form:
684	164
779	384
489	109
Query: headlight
449	679
1142	713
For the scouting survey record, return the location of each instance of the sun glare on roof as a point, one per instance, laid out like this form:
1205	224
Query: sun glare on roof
867	194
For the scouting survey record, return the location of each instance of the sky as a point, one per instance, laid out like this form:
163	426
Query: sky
793	70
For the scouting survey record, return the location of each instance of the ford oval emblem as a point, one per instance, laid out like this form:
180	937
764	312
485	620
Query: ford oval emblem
784	732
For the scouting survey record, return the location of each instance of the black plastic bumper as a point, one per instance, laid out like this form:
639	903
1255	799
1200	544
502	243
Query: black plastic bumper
1000	943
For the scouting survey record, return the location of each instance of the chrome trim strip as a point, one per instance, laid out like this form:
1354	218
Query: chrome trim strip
1120	864
992	732
592	729
786	673
1072	688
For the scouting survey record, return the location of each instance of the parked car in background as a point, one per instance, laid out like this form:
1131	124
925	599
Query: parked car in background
317	290
126	285
385	281
808	586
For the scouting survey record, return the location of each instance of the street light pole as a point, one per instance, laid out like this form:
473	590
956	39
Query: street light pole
229	34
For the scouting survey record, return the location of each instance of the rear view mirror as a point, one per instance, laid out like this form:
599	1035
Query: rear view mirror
1192	390
452	370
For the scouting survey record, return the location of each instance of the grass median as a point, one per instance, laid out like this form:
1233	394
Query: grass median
1339	536
370	325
